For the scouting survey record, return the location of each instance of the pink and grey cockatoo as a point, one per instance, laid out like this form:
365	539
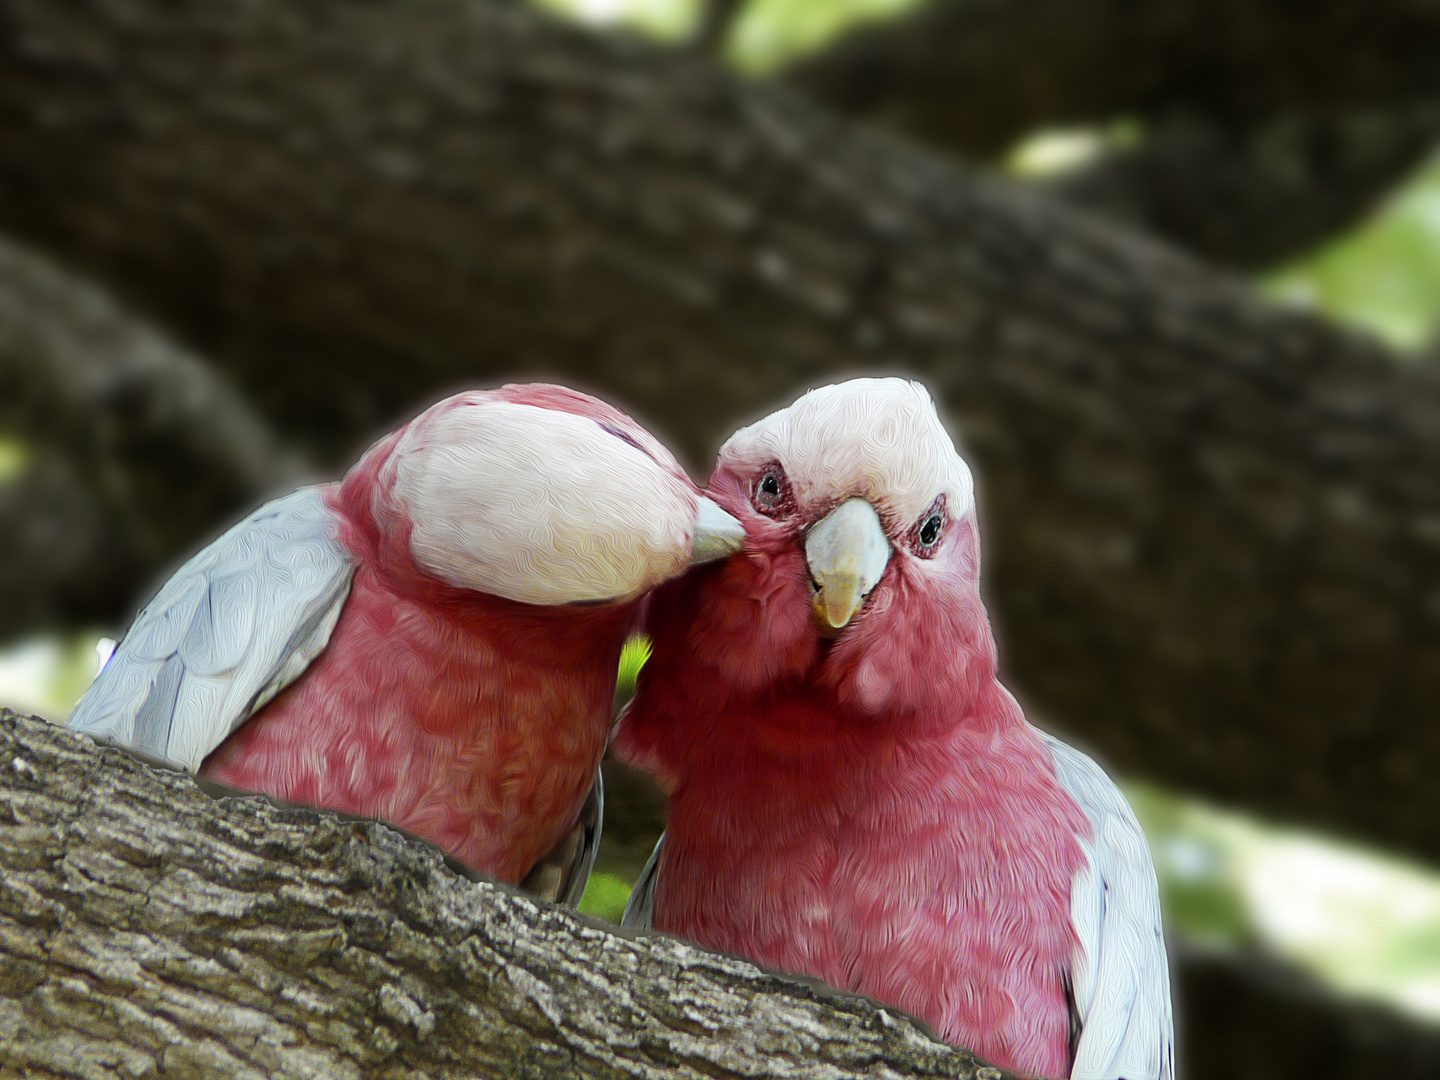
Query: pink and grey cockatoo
434	640
853	794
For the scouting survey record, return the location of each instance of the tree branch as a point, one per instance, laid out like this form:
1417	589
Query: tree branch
145	927
60	559
717	20
1269	126
1253	194
975	75
139	447
1255	1018
1213	528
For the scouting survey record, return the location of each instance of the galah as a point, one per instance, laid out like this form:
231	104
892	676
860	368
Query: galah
854	796
432	641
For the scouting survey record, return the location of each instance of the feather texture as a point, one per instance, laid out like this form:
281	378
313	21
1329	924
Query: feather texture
1121	976
235	625
561	874
640	907
434	640
864	803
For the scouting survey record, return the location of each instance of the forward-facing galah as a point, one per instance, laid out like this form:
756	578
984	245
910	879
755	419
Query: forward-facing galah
432	641
854	796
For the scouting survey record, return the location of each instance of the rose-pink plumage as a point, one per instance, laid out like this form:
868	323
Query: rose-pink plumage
432	641
853	794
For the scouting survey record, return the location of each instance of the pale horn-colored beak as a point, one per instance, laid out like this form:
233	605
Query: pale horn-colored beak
846	552
717	534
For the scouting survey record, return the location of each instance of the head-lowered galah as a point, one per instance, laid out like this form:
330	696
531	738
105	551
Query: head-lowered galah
853	794
434	640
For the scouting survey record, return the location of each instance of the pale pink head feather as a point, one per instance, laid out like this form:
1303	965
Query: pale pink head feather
537	494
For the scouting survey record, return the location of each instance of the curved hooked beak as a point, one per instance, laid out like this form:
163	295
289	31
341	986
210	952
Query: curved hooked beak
717	534
846	552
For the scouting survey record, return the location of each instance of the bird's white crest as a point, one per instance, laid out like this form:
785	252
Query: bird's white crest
539	506
880	439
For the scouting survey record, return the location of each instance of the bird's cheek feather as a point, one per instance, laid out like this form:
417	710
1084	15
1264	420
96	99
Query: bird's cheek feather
873	686
881	600
754	618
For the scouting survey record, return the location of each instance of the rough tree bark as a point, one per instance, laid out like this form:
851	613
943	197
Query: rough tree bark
1213	528
145	928
1268	125
148	929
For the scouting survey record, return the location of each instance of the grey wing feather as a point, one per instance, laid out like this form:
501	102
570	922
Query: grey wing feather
640	908
236	624
561	874
1121	978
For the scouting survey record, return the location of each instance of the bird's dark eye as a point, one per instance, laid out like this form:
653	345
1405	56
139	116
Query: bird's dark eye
930	527
770	489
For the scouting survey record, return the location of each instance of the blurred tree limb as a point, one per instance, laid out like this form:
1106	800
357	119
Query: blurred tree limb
1213	527
145	927
1251	1017
717	20
1255	193
1270	124
136	447
979	74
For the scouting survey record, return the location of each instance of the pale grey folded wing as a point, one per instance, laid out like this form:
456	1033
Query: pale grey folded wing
640	908
1121	978
561	874
236	624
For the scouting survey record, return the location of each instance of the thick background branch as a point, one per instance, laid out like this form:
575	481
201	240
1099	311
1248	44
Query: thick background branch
977	74
1254	1018
717	20
1251	194
137	448
59	557
1268	125
147	928
1213	528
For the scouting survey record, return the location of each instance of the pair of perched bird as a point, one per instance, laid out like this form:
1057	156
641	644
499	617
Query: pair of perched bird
853	795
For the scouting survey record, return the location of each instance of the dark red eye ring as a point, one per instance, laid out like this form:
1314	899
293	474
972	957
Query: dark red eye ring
770	493
930	529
